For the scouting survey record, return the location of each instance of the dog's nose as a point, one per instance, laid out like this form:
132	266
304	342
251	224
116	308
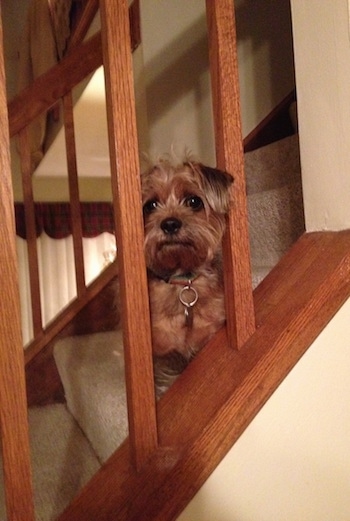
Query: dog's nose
171	225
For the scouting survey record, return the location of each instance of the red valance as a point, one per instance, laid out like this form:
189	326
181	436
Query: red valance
54	219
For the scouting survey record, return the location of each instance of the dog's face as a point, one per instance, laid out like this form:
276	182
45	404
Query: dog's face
184	210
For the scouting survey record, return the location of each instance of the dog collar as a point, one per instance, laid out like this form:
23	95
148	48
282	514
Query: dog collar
183	279
188	295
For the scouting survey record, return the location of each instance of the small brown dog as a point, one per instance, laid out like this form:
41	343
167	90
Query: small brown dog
185	209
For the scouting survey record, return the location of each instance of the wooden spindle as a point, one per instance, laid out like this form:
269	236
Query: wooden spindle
13	409
129	228
229	153
31	238
75	211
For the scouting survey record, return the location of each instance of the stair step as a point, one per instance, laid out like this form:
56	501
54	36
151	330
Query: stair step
276	221
275	202
91	368
62	460
273	166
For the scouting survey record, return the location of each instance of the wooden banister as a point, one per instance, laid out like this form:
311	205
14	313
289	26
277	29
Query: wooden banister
113	49
76	218
47	89
13	410
129	229
224	389
229	152
33	264
83	24
81	60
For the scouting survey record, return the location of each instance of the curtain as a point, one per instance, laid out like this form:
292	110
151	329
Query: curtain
57	274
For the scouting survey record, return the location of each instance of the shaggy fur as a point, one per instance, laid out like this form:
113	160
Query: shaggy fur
185	209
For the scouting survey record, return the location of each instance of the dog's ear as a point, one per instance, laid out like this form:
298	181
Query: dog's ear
217	179
216	186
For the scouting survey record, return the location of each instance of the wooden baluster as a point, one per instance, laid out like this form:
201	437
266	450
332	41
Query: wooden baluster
13	409
29	208
129	228
45	91
81	27
76	220
229	153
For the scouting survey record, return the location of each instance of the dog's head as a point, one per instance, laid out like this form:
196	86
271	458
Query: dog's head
184	210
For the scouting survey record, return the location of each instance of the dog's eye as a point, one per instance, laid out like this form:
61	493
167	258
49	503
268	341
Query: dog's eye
150	206
194	202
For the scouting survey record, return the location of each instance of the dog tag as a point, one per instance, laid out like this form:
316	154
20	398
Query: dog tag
188	297
189	317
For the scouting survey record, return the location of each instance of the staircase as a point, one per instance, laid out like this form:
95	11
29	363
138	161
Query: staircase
173	447
71	441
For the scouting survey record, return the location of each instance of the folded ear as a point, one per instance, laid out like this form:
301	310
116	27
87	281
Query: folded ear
215	184
215	177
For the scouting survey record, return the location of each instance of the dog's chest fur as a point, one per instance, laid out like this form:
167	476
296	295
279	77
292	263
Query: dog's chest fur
171	331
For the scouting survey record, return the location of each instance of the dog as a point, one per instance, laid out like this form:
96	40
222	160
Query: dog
184	207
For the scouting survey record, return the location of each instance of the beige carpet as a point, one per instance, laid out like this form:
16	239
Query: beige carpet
275	204
62	460
91	368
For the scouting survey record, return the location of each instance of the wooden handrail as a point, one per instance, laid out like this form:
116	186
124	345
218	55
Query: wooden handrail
81	60
224	389
83	24
68	313
48	88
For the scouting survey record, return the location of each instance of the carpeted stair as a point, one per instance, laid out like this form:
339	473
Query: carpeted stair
70	442
91	368
62	460
275	204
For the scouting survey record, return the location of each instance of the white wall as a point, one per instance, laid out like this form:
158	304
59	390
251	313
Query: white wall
175	48
322	61
265	57
292	462
174	37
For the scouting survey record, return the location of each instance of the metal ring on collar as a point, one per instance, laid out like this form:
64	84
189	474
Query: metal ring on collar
194	294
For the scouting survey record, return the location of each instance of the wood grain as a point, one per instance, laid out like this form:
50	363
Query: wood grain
48	88
76	219
221	391
100	314
13	411
229	154
80	61
275	126
68	314
126	187
82	23
33	262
